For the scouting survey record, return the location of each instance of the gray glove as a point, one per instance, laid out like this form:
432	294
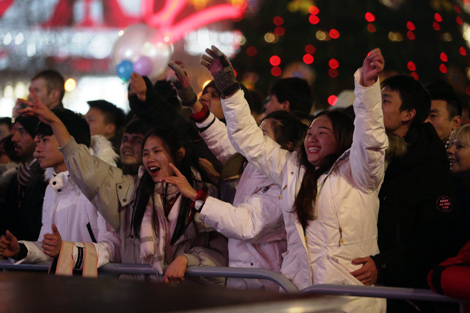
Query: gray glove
222	71
183	85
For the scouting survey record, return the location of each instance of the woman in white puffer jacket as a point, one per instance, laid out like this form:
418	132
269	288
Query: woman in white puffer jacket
261	241
329	203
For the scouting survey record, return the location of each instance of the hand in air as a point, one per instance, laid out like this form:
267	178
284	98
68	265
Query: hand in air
38	109
138	87
373	64
183	85
221	69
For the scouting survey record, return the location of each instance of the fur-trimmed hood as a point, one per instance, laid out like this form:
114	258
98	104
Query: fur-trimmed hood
100	147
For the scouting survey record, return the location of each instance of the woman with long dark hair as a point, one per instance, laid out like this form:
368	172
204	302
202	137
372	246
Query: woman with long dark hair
157	224
329	188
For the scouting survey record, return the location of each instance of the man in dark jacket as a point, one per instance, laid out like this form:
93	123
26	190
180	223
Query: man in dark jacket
21	209
417	223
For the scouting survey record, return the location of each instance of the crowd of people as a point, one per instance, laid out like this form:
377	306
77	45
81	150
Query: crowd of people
374	194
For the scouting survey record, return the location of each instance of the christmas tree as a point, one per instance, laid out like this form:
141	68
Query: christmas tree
326	41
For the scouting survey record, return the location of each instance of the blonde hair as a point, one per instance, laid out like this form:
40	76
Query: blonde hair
462	134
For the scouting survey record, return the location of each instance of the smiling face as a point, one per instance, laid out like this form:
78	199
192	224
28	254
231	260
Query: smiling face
459	156
320	140
156	159
211	98
47	153
131	149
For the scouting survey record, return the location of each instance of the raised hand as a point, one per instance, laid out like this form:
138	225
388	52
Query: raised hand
371	68
37	108
222	71
52	243
180	182
183	85
175	271
9	246
138	87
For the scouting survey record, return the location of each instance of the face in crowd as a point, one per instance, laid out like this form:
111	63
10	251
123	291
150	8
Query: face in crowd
23	142
211	98
156	159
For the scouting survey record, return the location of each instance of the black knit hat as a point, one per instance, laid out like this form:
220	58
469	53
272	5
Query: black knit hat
29	123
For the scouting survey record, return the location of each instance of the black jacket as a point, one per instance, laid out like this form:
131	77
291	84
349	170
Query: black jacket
21	212
418	219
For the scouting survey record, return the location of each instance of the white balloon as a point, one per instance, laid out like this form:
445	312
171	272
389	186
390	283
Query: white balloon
141	40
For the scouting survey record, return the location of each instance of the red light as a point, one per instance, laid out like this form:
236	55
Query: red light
308	59
411	66
415	75
459	20
443	68
436	26
236	73
313	10
276	71
370	17
334	33
466	2
251	51
467	91
444	57
333	63
278	21
275	60
332	100
438	17
410	35
332	73
310	49
457	9
313	19
463	51
410	26
371	28
279	31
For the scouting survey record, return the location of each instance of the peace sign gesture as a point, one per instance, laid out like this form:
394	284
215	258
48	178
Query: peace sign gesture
180	182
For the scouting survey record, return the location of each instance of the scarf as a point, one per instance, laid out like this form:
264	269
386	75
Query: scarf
156	228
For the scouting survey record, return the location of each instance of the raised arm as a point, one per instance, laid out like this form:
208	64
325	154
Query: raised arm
369	139
244	133
212	130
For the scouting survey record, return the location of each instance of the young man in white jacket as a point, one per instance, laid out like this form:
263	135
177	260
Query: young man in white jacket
67	213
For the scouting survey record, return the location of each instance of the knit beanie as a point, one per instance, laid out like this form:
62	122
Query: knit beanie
29	123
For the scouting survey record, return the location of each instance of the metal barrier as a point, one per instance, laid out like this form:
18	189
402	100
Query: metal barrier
383	292
195	271
282	281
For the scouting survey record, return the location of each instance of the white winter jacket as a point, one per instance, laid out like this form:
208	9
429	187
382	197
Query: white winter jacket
347	203
250	244
76	218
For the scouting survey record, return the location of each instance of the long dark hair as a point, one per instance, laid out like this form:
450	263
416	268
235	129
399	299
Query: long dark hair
343	129
146	187
287	129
